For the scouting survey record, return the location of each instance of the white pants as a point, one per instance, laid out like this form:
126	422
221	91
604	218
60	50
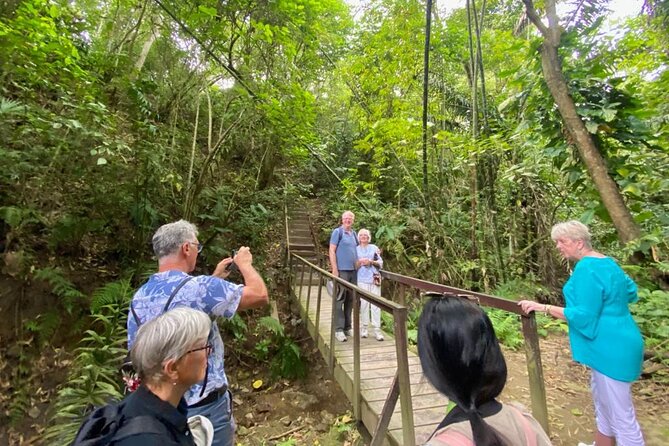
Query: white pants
366	307
614	410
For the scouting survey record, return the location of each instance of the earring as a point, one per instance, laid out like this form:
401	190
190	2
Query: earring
174	383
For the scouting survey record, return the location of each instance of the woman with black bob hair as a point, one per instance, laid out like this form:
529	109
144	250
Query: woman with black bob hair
461	358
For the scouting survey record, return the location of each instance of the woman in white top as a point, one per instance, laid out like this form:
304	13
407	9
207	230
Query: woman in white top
369	262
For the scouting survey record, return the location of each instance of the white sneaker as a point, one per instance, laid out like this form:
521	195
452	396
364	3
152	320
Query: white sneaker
364	333
340	336
379	336
349	332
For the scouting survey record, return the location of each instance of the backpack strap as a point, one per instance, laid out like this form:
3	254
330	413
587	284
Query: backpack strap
341	234
174	293
167	305
141	424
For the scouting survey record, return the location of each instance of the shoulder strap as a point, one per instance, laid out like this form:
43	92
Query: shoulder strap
174	293
341	234
142	424
167	305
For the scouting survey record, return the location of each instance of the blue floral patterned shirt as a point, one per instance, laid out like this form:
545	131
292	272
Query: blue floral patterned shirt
210	294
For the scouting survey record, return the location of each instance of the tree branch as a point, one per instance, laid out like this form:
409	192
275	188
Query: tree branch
533	15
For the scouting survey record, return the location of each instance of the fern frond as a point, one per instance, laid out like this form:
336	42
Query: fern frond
94	377
272	325
11	107
115	293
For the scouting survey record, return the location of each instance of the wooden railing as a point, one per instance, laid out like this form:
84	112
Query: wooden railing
401	386
529	329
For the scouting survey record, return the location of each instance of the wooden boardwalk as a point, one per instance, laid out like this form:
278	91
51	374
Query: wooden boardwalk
378	360
378	365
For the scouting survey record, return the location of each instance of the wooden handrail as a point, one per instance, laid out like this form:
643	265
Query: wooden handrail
529	330
401	385
483	299
402	381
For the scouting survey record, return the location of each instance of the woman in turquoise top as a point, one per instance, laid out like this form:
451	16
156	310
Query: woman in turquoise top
602	332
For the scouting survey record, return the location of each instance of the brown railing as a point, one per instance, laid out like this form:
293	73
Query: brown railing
401	386
529	329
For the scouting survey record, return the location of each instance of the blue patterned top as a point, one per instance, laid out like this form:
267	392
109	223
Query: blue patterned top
210	294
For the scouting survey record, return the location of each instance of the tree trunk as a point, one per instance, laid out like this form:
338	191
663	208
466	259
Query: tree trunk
594	162
153	35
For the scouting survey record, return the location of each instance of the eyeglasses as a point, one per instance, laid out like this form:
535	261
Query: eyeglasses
207	347
199	246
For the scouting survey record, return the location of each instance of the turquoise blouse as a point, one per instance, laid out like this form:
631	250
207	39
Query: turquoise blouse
602	333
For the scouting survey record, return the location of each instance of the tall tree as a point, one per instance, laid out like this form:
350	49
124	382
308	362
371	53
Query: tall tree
597	168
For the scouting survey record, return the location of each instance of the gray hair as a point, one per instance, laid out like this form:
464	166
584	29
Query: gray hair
573	230
347	213
168	238
169	336
365	231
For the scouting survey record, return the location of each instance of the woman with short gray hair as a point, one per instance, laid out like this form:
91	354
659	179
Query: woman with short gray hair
170	355
602	332
368	264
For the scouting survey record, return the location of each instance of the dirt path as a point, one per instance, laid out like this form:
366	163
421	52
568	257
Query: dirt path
570	409
317	412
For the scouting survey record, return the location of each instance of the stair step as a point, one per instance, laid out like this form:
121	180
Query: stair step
301	246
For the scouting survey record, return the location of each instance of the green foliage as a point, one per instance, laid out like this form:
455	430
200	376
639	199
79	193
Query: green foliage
20	382
412	324
236	327
94	377
651	313
44	326
507	328
286	357
72	298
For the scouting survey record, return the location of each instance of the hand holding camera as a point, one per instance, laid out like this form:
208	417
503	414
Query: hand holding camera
231	267
243	257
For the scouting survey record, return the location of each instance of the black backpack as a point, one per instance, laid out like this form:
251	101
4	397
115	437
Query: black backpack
107	424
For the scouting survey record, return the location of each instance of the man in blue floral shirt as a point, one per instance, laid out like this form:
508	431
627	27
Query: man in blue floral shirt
176	246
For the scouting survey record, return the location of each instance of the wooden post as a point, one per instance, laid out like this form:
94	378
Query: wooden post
535	371
317	326
356	356
306	310
291	282
402	293
333	321
386	413
302	266
401	344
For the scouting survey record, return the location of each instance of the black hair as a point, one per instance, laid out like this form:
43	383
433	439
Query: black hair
461	358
